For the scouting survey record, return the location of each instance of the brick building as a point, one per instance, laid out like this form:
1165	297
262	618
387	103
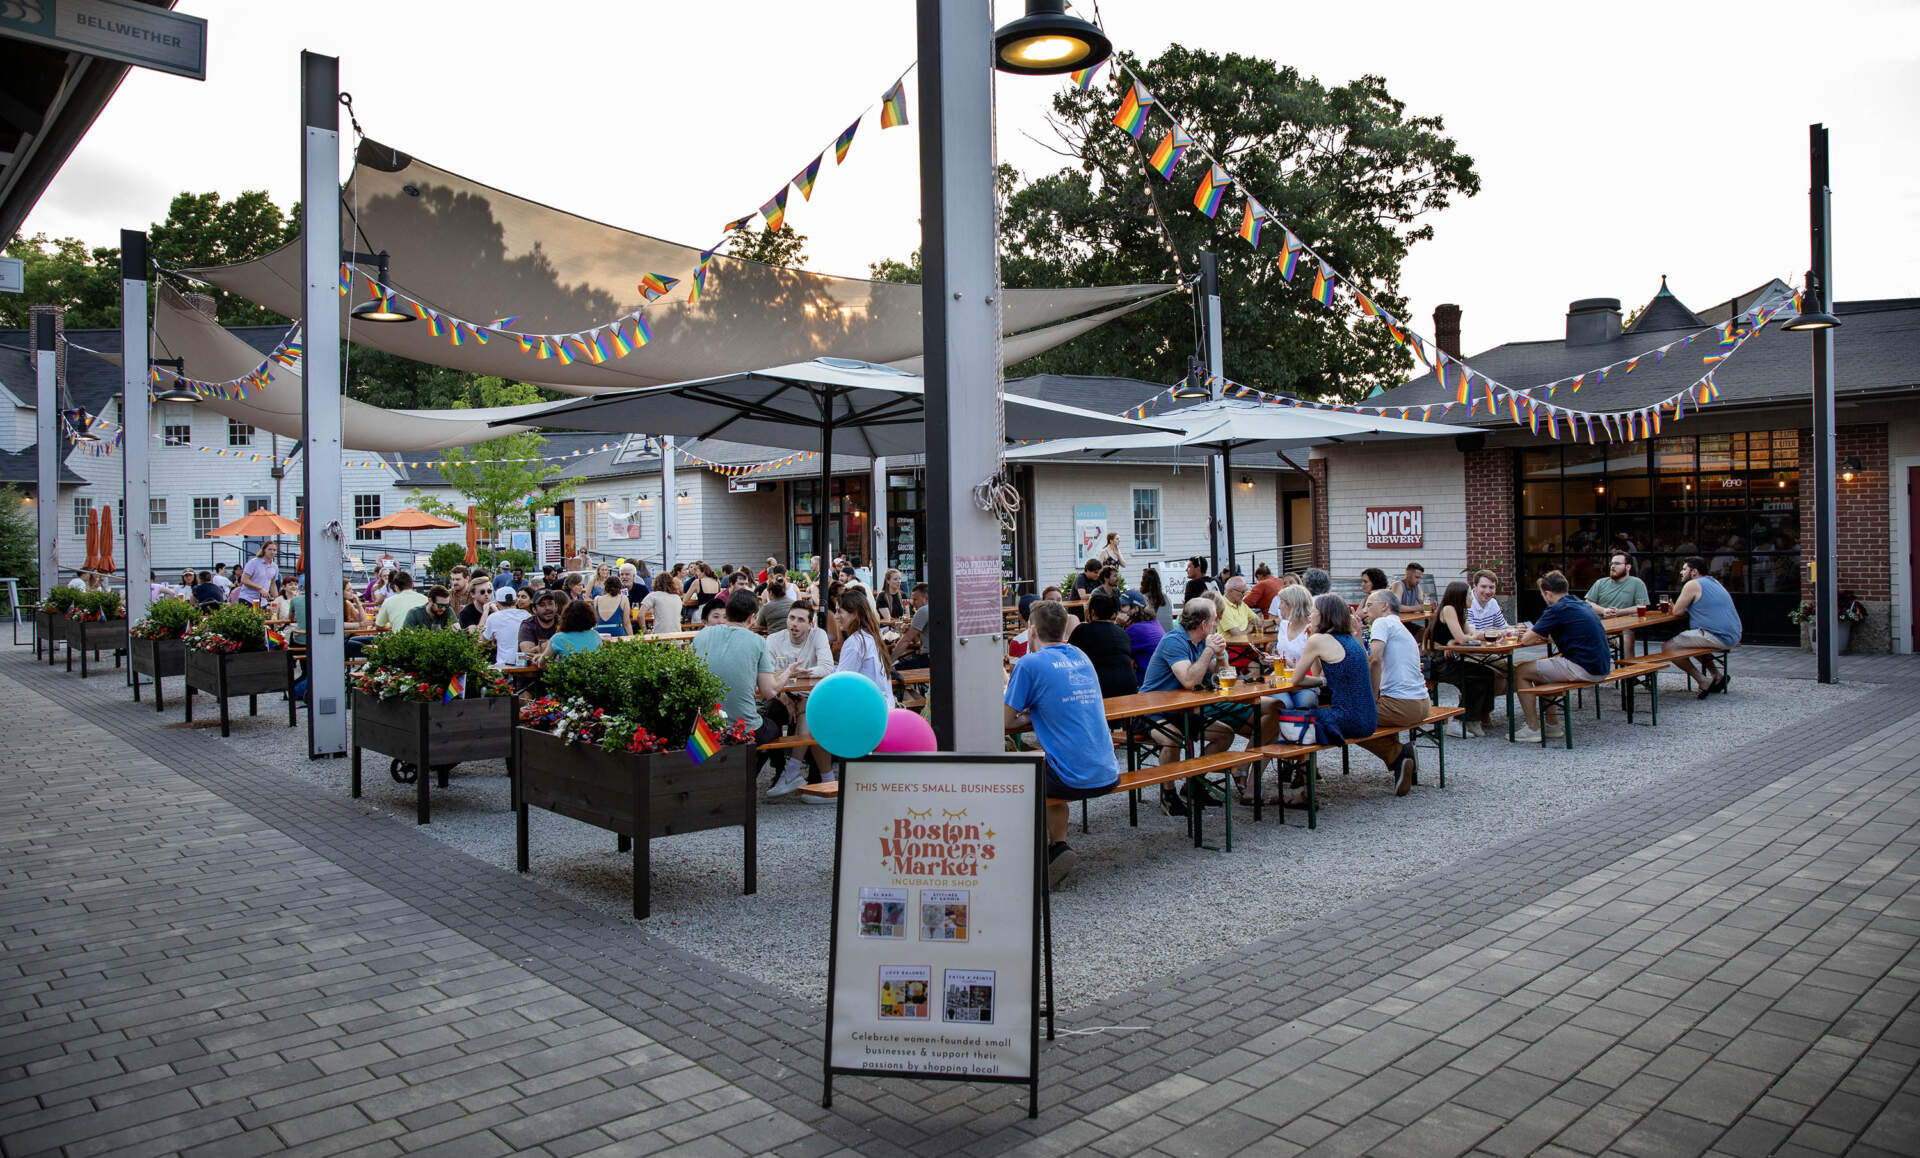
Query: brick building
1730	481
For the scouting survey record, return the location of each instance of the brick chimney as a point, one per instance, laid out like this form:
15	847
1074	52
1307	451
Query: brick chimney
1593	321
1446	328
59	347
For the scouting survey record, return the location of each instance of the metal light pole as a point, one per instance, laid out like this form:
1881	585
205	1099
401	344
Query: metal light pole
877	524
1826	587
134	411
47	418
669	510
320	404
1219	501
959	236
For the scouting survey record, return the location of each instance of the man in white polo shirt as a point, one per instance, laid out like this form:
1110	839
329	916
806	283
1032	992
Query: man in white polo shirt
1400	690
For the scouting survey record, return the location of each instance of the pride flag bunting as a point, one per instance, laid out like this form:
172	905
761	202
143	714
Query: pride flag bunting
893	106
1252	217
653	285
804	181
1291	247
1323	280
1213	186
844	142
1083	77
1132	116
1168	152
775	211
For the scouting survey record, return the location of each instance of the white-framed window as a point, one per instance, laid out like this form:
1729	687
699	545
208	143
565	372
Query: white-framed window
1146	518
82	511
239	433
177	434
156	512
366	508
206	515
591	514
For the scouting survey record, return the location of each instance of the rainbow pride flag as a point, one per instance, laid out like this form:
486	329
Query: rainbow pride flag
893	106
703	742
456	687
653	285
1323	280
741	222
1083	77
1251	219
844	142
804	181
275	639
1168	152
775	211
1133	111
1213	186
1292	247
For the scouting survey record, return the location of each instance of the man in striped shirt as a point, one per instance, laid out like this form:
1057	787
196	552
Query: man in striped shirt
1483	610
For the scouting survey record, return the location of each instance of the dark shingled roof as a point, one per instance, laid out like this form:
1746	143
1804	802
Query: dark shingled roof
1876	351
23	468
1664	312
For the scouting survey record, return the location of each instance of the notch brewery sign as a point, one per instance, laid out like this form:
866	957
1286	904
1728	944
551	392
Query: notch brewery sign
1394	527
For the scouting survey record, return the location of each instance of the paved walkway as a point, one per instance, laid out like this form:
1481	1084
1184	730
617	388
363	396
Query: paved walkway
195	959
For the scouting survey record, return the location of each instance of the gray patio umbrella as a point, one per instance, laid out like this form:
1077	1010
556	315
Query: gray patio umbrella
876	410
1228	425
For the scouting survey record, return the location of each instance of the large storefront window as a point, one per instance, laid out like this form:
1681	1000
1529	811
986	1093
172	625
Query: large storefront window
846	521
1732	499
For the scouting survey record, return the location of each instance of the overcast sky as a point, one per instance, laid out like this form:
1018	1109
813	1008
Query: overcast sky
1615	144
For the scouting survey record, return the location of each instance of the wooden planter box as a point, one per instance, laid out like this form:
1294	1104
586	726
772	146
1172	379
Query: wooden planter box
636	796
91	637
432	735
241	673
156	659
49	628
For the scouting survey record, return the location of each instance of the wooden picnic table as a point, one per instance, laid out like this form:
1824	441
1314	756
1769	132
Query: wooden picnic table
1502	650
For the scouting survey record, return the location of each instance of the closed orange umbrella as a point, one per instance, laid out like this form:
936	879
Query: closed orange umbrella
104	562
301	567
93	540
473	539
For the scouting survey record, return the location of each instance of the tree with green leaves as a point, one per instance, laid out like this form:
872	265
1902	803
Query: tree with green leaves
64	272
1346	167
19	542
782	247
495	477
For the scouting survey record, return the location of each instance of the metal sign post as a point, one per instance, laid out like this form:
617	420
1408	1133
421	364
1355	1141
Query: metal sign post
320	405
136	486
47	418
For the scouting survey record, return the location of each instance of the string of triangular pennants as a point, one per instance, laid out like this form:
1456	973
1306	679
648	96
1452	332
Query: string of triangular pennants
622	336
1470	386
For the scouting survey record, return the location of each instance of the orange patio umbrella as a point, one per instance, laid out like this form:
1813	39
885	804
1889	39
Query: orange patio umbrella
93	540
473	539
409	520
104	560
256	524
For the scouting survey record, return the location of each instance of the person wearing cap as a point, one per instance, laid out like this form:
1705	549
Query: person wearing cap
503	627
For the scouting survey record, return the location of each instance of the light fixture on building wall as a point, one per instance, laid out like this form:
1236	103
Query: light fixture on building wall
1600	489
685	497
1849	466
1246	480
230	501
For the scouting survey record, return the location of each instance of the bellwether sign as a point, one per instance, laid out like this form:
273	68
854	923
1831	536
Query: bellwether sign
1393	527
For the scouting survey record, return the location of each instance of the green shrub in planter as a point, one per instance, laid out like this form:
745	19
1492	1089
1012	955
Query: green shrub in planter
417	663
445	558
96	604
654	686
60	600
230	627
168	619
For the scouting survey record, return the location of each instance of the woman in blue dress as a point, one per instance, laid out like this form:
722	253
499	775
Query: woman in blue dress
612	613
1338	665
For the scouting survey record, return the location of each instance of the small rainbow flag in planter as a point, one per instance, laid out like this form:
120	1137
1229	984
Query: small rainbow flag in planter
456	687
275	639
703	742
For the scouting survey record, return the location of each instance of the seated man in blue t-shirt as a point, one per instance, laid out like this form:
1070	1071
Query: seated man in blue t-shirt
1055	692
1581	638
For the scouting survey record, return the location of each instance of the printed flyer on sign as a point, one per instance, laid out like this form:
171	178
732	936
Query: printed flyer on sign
934	952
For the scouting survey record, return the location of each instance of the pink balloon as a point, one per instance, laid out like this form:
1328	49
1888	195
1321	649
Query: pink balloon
907	732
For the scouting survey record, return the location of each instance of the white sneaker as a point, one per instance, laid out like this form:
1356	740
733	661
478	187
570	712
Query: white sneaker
790	779
812	799
1525	735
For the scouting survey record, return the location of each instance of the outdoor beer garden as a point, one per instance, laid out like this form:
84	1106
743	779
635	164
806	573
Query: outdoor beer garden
1114	770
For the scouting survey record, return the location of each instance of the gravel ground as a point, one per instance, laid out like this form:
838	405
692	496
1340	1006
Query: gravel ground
1143	903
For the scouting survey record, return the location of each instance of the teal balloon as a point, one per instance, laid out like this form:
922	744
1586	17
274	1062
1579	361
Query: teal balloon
847	715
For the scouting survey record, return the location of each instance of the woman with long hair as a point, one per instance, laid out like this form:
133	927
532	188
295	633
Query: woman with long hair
666	603
612	611
891	601
1291	632
1110	550
1156	597
601	573
862	653
703	585
1478	683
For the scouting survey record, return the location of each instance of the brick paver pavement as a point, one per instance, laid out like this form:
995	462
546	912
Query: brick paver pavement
1731	964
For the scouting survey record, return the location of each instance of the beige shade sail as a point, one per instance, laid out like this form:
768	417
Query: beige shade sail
480	254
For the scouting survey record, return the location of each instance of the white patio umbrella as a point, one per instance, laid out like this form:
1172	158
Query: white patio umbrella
869	410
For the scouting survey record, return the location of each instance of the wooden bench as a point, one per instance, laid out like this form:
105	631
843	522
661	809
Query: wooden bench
1679	653
1132	783
1433	727
1627	676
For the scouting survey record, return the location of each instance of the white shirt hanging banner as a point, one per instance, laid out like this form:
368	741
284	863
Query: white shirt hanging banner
936	919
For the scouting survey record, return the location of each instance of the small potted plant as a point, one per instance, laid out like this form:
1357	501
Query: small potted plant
1852	611
1802	617
50	619
428	699
232	652
609	745
95	620
158	648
